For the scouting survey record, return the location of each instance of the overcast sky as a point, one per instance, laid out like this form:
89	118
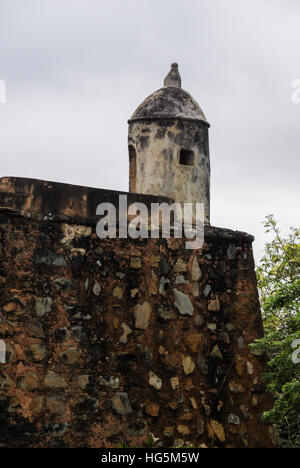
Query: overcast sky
76	70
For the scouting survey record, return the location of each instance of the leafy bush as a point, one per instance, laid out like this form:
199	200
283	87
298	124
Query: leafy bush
278	277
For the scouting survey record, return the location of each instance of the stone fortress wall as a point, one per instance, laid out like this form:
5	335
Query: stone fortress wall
109	340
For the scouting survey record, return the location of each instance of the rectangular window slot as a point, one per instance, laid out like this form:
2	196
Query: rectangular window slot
186	157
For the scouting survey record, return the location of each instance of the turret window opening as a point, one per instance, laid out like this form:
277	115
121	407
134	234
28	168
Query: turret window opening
186	157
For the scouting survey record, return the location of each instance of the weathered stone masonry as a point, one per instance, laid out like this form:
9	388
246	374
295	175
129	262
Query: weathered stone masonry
108	340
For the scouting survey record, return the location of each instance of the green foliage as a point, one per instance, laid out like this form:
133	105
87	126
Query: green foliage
184	446
151	441
123	445
278	277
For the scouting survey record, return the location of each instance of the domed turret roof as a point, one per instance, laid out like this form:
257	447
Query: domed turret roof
171	101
